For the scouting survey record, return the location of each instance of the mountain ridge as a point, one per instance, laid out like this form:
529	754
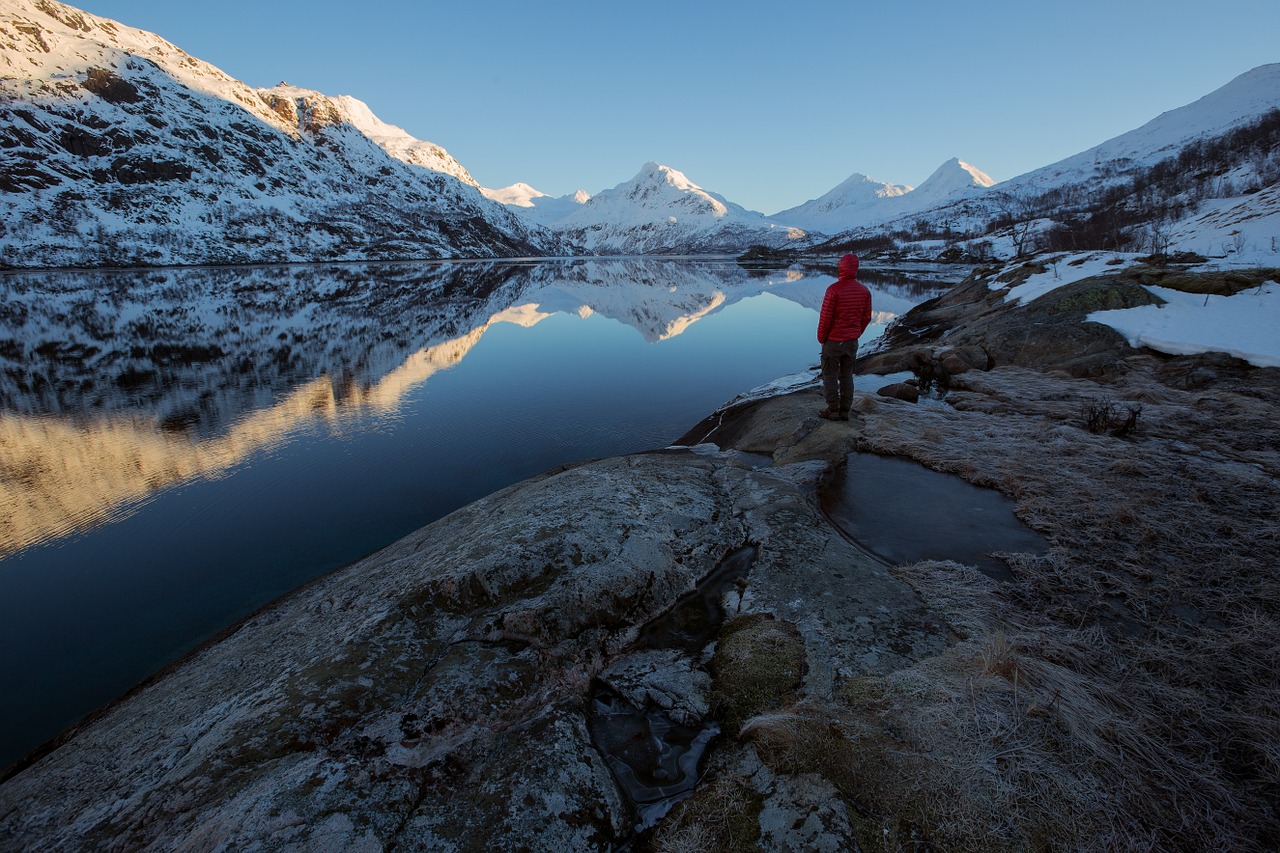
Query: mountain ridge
861	200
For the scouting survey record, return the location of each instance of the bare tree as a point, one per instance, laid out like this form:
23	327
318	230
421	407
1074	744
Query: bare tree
1158	237
1017	214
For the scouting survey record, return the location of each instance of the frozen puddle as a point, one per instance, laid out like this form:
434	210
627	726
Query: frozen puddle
654	757
903	513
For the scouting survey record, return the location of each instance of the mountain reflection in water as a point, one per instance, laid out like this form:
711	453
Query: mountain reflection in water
180	446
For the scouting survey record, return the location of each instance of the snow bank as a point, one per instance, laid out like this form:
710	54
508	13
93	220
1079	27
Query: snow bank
1244	325
1068	270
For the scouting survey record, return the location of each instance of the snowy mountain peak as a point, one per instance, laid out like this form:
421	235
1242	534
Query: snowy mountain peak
661	210
662	189
952	177
536	205
656	185
858	183
977	177
657	172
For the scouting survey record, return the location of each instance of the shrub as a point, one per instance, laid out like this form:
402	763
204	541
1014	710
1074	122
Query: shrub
1103	415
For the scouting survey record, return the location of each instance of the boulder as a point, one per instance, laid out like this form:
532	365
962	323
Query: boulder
907	391
983	331
893	361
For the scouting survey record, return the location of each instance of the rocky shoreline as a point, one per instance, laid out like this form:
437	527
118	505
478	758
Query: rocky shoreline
1116	694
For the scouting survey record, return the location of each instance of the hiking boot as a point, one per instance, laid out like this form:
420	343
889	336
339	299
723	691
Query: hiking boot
829	415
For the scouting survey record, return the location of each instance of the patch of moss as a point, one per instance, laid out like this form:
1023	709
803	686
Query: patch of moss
867	692
1099	294
759	662
721	817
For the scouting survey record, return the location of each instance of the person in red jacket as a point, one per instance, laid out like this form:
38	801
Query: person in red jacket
846	313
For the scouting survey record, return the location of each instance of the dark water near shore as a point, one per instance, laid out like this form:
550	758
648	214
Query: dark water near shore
180	447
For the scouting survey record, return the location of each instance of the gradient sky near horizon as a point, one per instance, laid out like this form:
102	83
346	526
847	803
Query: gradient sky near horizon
768	104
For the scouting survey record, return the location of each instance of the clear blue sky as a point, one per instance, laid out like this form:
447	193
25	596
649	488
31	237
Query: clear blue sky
769	104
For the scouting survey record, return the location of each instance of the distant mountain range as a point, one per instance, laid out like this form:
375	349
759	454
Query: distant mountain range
661	210
861	201
538	206
117	148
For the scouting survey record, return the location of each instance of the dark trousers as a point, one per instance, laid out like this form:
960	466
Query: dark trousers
837	374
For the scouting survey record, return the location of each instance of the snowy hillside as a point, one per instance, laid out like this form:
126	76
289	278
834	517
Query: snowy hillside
122	149
660	211
390	138
1245	227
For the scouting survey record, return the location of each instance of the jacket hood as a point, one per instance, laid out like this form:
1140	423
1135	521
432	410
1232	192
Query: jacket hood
849	266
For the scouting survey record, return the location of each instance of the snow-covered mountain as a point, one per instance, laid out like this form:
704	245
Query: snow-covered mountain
1241	101
536	205
953	181
119	148
1205	175
660	211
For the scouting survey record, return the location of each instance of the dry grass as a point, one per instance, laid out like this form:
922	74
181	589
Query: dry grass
1123	692
722	817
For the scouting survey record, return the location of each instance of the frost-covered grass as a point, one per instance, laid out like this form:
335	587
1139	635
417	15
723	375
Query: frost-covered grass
1121	693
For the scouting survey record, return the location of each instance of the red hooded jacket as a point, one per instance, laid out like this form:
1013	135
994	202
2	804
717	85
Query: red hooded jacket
846	309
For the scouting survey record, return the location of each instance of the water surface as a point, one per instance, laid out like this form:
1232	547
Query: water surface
180	447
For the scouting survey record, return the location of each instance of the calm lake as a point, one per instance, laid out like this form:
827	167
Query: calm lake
180	447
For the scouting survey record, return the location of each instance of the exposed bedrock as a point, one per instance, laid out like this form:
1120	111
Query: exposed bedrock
434	695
